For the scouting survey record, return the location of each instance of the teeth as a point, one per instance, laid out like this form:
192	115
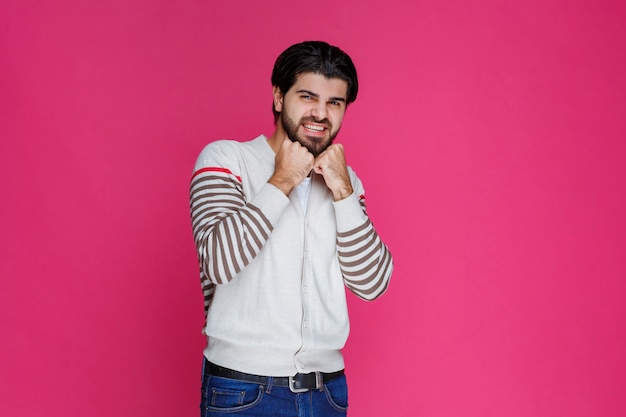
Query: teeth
312	127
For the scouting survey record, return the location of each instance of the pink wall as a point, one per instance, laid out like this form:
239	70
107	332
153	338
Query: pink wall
491	139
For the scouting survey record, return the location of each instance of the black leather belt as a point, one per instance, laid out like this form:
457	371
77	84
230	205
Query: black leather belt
296	383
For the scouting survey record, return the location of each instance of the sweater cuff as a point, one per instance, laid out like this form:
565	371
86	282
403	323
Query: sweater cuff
271	201
348	213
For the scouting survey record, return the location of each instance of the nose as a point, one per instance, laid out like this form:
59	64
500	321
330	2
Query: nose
319	111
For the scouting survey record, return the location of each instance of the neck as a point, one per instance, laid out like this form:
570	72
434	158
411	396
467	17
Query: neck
276	140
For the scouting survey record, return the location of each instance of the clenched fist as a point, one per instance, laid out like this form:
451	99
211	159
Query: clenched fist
331	164
293	163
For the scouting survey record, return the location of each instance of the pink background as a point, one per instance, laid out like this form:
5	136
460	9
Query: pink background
491	140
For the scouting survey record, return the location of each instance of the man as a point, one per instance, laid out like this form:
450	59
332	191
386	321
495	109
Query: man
280	227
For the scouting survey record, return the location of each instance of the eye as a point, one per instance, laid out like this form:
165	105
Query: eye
306	97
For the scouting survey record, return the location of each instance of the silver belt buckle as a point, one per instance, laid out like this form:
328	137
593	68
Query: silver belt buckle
319	383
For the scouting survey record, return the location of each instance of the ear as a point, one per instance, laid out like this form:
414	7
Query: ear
278	99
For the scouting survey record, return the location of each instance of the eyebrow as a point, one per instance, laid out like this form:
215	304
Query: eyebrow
311	93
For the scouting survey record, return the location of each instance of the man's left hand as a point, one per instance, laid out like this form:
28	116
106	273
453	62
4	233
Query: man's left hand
331	164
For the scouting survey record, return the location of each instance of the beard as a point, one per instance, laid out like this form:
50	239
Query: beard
314	144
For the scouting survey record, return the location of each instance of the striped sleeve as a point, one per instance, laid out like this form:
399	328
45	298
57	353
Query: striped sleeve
228	231
365	261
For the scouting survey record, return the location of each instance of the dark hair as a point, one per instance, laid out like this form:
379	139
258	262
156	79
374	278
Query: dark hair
316	57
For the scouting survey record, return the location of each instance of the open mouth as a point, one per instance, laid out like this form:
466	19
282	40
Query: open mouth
314	128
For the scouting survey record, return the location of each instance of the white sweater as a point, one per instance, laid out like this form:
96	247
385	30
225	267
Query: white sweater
273	277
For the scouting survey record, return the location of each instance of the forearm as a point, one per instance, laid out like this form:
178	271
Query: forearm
365	261
228	231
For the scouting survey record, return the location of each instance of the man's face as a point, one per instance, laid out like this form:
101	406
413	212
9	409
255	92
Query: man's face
312	110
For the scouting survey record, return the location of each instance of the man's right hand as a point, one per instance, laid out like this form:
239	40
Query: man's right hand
293	163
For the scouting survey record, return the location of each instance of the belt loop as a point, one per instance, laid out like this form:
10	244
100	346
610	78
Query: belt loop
270	384
319	380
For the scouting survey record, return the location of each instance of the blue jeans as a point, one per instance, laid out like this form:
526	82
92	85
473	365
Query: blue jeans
223	397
